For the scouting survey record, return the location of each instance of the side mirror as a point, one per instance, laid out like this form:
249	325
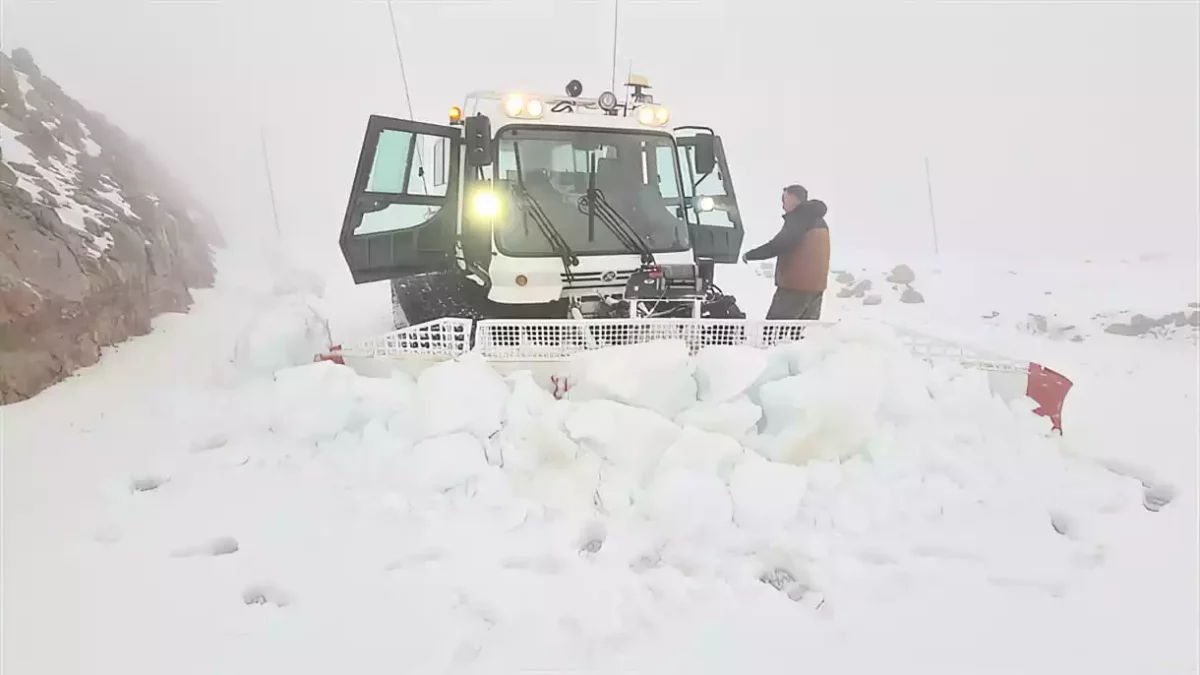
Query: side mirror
478	132
706	155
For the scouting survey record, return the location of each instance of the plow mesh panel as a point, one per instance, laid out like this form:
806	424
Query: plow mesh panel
557	339
554	339
440	337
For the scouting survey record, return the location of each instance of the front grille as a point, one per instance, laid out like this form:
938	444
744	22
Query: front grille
596	280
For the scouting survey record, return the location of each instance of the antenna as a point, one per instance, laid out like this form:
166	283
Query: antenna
625	108
407	95
262	132
932	217
616	14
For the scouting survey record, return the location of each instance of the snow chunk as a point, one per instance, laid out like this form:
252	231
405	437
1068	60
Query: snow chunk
313	401
702	452
690	504
463	395
287	334
653	375
735	418
442	463
766	495
724	372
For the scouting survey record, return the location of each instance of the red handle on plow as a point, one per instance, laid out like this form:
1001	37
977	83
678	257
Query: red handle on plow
1049	388
334	354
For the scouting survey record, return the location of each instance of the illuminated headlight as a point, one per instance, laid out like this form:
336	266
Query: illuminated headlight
517	105
486	205
705	204
653	115
514	106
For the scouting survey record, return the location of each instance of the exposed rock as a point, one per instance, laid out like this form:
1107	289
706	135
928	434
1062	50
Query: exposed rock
1039	324
873	299
77	272
23	61
1140	324
27	169
858	290
844	278
901	274
1194	305
911	296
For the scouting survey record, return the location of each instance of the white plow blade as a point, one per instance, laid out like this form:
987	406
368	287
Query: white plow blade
545	347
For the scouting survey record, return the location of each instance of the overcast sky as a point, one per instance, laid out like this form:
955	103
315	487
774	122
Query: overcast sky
1063	129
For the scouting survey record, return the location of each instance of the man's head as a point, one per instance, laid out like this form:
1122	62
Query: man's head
793	196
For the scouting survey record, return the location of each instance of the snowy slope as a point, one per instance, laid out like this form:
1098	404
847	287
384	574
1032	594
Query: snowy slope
195	514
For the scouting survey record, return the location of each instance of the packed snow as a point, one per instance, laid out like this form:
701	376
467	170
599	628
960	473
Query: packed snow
206	499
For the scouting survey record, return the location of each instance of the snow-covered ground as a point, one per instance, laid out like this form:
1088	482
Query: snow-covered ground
182	507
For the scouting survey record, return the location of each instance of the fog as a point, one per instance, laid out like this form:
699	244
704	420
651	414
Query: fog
1055	129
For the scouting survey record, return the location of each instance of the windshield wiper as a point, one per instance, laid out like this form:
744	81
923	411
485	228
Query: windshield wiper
595	204
549	231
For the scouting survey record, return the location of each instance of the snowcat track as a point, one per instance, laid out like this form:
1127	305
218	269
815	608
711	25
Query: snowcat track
424	297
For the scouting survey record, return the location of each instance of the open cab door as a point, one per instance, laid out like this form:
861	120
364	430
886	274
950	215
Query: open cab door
403	210
719	233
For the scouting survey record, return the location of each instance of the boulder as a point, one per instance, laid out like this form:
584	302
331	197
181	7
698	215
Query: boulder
858	290
901	274
911	296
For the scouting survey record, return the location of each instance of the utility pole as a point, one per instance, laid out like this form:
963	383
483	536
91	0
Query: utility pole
270	187
932	216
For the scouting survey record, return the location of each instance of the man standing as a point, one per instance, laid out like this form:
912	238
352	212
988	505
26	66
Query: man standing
802	249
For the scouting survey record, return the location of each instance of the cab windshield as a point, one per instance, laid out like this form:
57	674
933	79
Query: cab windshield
635	175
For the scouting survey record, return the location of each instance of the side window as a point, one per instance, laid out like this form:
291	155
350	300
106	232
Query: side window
506	167
402	165
685	170
712	185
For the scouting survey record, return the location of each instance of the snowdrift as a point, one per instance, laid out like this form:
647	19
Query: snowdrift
677	510
737	463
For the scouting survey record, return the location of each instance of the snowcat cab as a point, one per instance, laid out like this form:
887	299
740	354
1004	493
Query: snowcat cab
544	206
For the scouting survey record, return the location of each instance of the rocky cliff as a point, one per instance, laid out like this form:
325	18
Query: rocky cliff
96	238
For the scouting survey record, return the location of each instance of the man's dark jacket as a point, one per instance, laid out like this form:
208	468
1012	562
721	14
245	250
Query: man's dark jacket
802	247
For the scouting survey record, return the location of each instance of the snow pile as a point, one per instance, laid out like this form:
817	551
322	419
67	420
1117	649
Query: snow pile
728	511
287	334
827	471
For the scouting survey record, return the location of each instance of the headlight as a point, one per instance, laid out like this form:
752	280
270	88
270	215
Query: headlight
653	115
517	105
514	105
705	204
486	204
